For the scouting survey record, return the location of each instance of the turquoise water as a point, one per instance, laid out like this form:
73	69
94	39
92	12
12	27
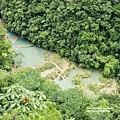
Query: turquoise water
94	79
67	83
33	56
21	41
11	35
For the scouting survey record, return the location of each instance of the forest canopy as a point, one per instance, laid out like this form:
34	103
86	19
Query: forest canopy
24	92
84	31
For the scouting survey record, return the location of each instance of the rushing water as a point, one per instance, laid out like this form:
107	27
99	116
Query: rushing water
33	56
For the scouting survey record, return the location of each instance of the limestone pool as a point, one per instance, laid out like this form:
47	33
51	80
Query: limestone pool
34	56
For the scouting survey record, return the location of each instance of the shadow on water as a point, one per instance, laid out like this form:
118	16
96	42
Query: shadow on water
21	41
11	35
33	56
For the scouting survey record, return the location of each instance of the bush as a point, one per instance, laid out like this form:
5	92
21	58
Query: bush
28	78
6	52
94	87
72	103
114	103
51	113
45	66
5	79
18	97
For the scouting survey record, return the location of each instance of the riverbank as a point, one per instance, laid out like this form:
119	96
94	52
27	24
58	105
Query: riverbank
60	70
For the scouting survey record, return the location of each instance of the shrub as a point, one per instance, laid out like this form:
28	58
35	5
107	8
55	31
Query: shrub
30	79
51	113
18	97
94	88
114	103
72	103
45	66
5	79
6	52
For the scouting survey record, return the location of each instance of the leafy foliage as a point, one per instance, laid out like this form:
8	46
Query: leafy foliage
77	79
101	109
62	105
28	78
6	52
19	97
51	113
19	103
85	31
4	79
45	66
31	79
72	103
114	102
94	88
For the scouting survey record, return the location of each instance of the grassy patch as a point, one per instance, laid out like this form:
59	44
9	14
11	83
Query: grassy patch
49	76
106	81
94	87
47	65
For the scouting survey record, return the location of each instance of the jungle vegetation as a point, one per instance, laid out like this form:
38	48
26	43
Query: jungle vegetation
84	31
25	95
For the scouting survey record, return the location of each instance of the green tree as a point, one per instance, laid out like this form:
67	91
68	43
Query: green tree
6	52
17	96
72	103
